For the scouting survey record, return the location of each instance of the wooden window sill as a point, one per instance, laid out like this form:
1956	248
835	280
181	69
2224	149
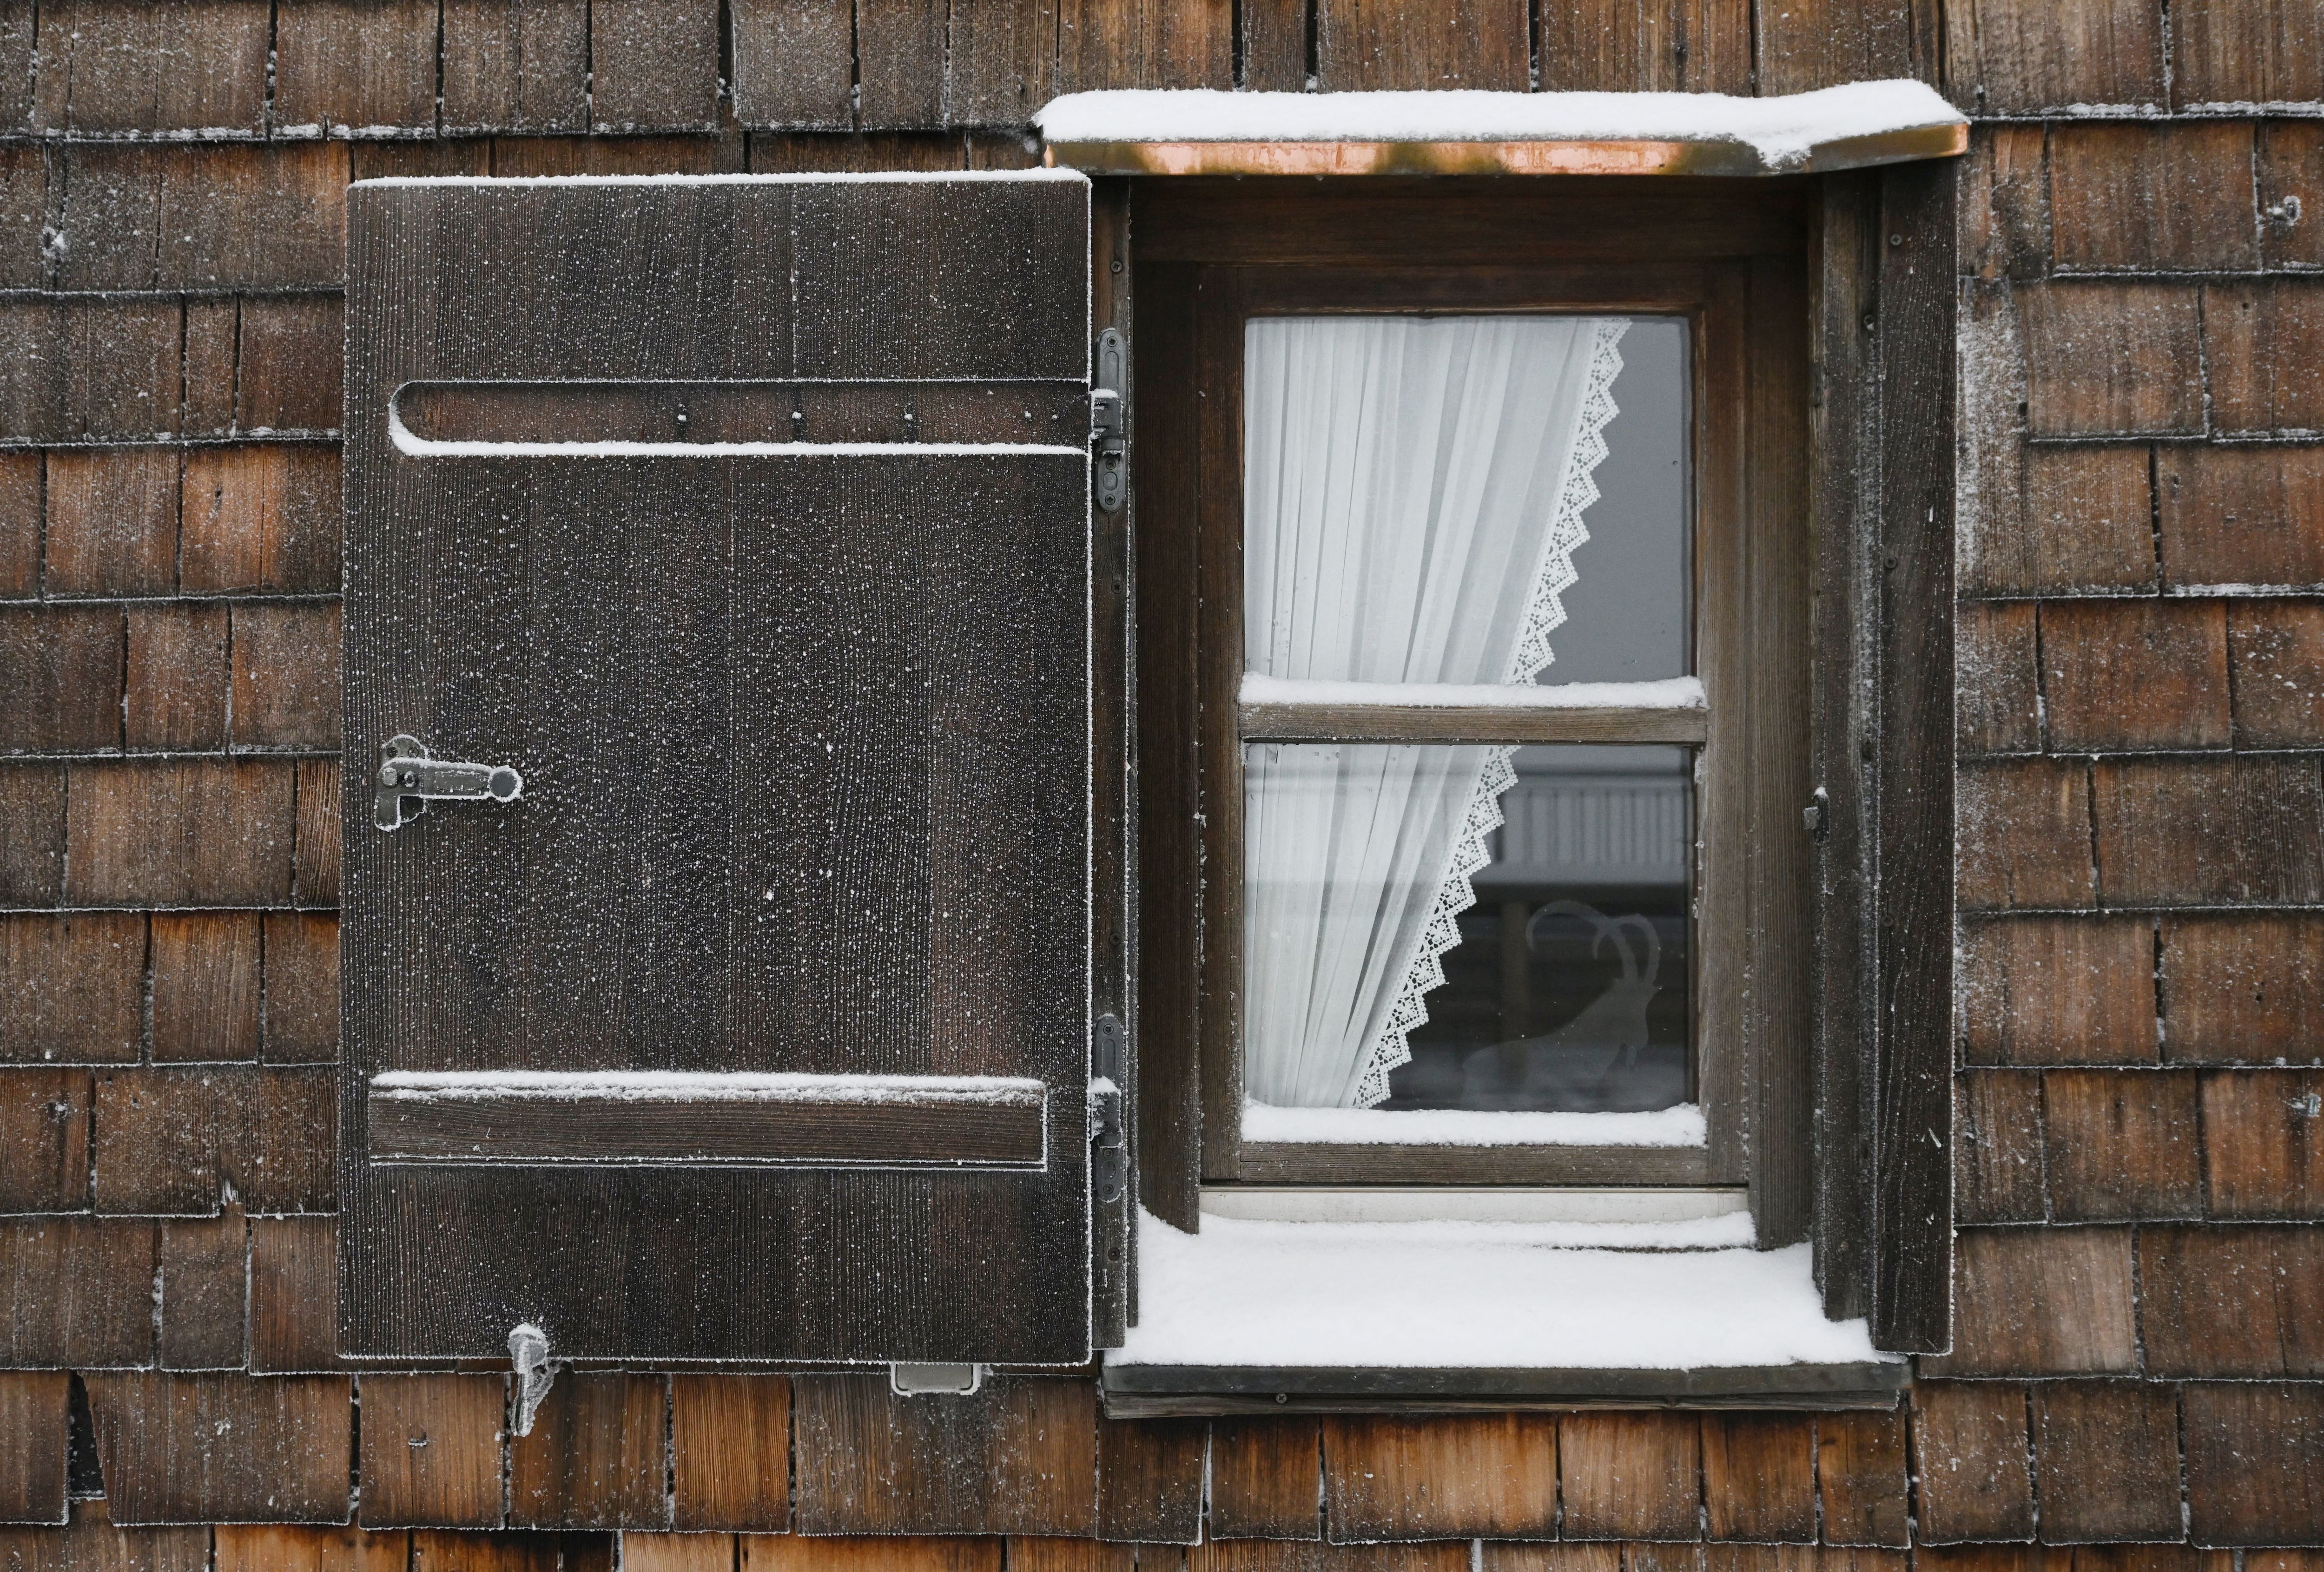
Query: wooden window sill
1161	1391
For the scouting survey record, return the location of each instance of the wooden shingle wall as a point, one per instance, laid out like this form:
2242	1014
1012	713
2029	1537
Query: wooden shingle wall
2137	1379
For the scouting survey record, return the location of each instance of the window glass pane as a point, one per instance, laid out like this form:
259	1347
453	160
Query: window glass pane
1563	986
1466	498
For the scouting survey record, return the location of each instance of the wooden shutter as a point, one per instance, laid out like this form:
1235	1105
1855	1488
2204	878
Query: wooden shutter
747	521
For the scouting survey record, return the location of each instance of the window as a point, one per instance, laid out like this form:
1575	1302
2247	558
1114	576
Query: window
1499	682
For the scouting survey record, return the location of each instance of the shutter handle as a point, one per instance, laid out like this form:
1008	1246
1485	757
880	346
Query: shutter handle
410	777
1109	442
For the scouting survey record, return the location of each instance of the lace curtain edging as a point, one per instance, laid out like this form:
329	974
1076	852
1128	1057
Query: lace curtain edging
1471	849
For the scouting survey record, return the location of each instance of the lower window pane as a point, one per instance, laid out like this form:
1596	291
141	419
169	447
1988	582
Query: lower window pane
1406	950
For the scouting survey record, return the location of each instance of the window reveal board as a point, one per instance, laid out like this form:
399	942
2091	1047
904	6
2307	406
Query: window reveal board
803	721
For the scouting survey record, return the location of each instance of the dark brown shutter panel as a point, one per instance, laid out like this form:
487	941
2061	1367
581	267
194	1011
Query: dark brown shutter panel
757	1026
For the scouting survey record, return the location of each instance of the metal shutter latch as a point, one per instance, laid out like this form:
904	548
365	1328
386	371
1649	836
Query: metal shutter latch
1109	440
410	777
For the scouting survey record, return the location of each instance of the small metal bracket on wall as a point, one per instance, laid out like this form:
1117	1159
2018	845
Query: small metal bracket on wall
529	1356
1108	1141
410	777
1109	440
934	1380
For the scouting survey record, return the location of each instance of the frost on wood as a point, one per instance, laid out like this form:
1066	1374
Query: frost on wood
1682	1126
1439	1295
687	1085
1783	131
1678	693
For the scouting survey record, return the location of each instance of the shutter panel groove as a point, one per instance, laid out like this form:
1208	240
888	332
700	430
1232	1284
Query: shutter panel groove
757	1027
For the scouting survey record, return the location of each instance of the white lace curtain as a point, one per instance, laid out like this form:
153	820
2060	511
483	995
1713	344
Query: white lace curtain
1412	493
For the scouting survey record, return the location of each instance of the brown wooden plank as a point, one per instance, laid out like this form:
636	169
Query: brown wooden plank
203	1280
729	1452
259	519
92	1542
2254	1464
213	327
191	66
1273	722
2242	986
2262	1148
2040	1301
32	1470
1675	46
1057	1555
440	1551
1630	1475
1149	1480
2140	197
2291	181
90	368
1999	1172
1267	1479
1583	1556
2242	55
595	1457
794	63
1295	1555
286	676
1861	1477
171	1138
1407	45
316	855
2243	1300
2275	651
44	1129
2004	203
224	1448
287	366
2120	1144
653	65
20	524
1451	1477
32	836
2025	837
1802	48
1000	60
1758	1477
205	987
2008	57
175	833
2199	832
175	698
2239	515
2078	519
885	1553
301	987
78	1291
651	1552
279	1548
1969	1450
536	156
353	65
2134	675
1192	45
1017	1457
1319	1162
707	412
2112	359
516	67
62	667
143	218
430	1450
2059	990
2107	1455
2259	336
294	1294
75	984
2000	700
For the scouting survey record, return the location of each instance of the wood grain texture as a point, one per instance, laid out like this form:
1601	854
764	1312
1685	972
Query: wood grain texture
653	65
2239	515
356	65
678	1552
172	1139
33	1467
1295	1555
2113	359
2275	653
2197	831
205	997
2290	169
2262	1150
201	1292
1803	46
279	1548
1659	46
1464	1477
75	983
2039	1301
301	980
2226	54
1267	1479
2059	990
953	668
174	687
885	1553
294	1294
1861	1478
189	65
259	519
1190	44
2000	1176
794	63
2121	1143
2153	198
2258	338
515	67
82	369
2242	986
1758	1477
224	1448
2239	1492
430	1451
2107	1461
78	1291
32	834
2024	836
595	1456
2000	700
2238	1301
63	666
284	680
1970	1447
2004	203
1017	1457
92	1541
1630	1475
44	1130
204	831
1150	1477
1410	46
730	1451
435	1550
20	524
2009	57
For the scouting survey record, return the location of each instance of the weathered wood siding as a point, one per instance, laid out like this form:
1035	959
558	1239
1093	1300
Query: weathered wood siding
2136	1380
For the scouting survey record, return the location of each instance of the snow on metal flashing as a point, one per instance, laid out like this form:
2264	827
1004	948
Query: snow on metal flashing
1783	130
1681	1126
1598	1296
413	445
1679	692
693	1086
857	177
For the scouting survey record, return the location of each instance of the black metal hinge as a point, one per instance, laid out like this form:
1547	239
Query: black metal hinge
1108	440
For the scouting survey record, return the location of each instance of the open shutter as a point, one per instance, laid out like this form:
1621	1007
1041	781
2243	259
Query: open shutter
745	520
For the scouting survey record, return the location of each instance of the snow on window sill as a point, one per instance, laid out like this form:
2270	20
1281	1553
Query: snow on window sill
1676	1297
1679	1126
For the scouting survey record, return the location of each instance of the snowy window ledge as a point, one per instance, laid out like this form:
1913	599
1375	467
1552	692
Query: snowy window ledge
1206	132
1272	1315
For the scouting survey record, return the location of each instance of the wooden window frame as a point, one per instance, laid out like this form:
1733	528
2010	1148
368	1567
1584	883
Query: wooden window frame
1860	264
